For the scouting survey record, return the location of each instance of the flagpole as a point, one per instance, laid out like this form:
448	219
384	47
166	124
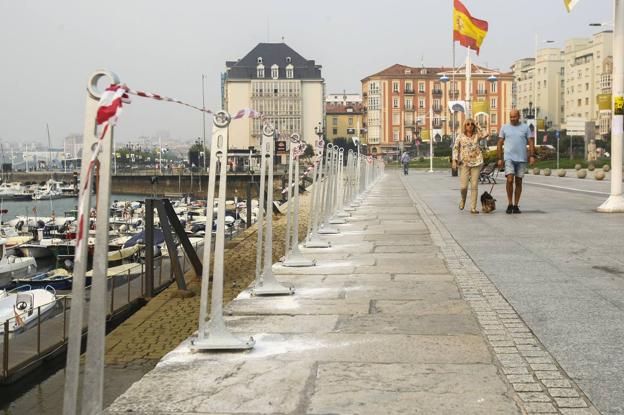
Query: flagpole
468	84
453	115
615	202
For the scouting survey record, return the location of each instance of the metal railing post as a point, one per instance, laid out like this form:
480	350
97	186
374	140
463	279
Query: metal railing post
294	258
265	283
213	334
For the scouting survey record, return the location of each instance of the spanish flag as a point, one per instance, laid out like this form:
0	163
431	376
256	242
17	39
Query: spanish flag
468	30
569	4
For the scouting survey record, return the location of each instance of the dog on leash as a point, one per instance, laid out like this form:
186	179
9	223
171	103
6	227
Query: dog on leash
488	203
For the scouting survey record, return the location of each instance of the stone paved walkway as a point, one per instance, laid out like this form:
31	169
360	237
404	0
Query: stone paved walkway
394	319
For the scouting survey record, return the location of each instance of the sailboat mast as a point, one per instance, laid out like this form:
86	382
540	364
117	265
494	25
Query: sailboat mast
49	149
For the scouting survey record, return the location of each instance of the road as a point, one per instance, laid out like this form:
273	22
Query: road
559	264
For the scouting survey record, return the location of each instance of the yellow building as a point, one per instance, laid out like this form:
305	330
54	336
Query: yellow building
343	120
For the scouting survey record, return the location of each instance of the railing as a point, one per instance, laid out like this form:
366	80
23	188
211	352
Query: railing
437	92
47	334
409	92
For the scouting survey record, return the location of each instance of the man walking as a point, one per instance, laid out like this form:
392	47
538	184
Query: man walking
515	137
405	159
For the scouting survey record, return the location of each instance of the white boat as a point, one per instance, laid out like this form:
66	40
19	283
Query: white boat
13	240
20	307
14	191
12	266
52	189
39	249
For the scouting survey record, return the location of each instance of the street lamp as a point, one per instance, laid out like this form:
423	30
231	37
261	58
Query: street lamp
444	79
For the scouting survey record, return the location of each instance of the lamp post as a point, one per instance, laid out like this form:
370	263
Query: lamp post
203	123
444	79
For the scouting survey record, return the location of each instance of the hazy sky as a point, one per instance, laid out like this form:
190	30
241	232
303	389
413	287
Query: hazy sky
48	49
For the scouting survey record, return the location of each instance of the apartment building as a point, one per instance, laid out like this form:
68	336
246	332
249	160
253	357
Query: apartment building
280	83
343	120
538	90
586	76
343	99
405	105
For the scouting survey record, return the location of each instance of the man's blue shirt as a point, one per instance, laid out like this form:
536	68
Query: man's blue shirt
516	139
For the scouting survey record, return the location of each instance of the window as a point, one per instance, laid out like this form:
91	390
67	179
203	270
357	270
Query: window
260	70
493	102
334	131
350	121
408	87
274	71
395	135
493	87
421	87
421	103
408	103
544	83
289	71
481	87
395	86
395	103
335	121
493	119
586	101
578	102
587	86
396	118
259	60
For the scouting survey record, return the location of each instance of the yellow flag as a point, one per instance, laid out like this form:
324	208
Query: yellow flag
569	4
481	107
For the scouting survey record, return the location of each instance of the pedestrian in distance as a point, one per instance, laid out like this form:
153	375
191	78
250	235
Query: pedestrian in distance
405	159
467	154
513	138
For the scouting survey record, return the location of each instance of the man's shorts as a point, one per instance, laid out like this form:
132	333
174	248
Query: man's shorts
516	168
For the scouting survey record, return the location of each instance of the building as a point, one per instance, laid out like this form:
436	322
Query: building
285	87
343	99
538	92
72	147
343	120
587	75
405	105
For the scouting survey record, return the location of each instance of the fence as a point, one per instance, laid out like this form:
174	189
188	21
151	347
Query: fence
46	336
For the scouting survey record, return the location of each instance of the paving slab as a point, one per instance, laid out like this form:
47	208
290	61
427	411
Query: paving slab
349	388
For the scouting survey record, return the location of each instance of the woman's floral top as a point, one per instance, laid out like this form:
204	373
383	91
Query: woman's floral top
466	149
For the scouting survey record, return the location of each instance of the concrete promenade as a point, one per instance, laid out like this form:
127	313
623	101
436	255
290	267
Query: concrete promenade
395	318
560	264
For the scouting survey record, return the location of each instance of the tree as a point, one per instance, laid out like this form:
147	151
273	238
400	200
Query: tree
345	143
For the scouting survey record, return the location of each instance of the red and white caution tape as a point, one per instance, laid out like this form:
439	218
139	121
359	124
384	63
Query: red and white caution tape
109	109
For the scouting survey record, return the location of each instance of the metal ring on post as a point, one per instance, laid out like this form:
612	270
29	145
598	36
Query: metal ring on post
294	138
221	119
268	130
92	87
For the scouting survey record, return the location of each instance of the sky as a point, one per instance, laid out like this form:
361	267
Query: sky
48	49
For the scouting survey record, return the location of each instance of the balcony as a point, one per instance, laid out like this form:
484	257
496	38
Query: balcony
409	109
436	91
408	92
437	109
481	92
454	93
437	125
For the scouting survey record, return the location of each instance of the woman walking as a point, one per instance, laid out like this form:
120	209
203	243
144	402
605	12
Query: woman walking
467	150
